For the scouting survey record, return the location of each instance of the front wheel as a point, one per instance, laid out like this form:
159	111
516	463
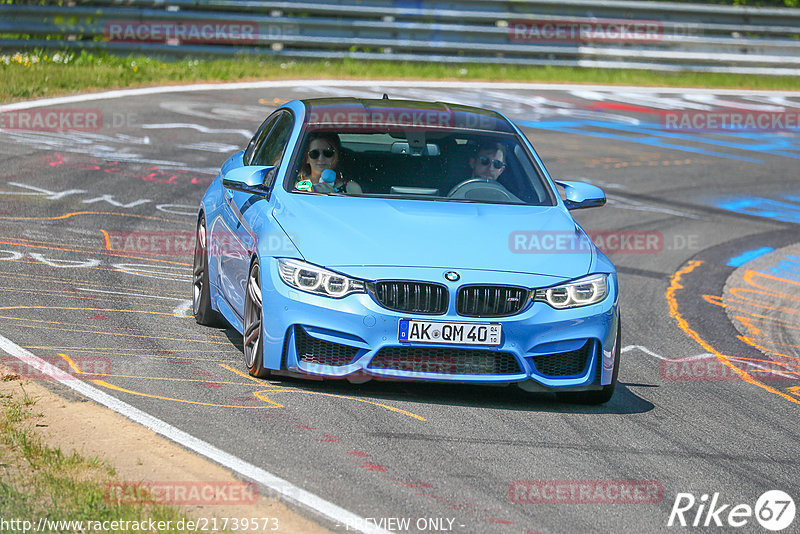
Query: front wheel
253	331
201	291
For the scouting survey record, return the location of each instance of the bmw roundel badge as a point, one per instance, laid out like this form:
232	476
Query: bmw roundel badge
452	276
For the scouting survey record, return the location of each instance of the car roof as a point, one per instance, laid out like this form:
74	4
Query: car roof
349	113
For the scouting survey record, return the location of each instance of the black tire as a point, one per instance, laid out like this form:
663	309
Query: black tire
204	314
253	331
598	396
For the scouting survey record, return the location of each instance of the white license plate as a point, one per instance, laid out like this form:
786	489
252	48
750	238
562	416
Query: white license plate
457	333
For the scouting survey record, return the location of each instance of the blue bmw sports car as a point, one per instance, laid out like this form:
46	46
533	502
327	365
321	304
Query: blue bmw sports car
393	239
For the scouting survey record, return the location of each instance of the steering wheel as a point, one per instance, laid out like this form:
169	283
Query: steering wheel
482	189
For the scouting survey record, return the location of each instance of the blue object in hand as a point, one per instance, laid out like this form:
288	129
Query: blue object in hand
328	176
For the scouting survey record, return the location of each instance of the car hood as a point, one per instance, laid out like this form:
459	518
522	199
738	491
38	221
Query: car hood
337	232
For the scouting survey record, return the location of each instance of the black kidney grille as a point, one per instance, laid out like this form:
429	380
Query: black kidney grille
491	301
313	350
411	297
446	361
564	363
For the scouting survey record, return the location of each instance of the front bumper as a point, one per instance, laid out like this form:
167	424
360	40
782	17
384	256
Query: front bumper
355	338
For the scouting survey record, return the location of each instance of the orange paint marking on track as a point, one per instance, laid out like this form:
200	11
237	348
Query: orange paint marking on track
76	213
747	296
65	323
227	342
98	252
138	393
755	345
683	324
238	372
717	301
117	349
77	369
736	291
114	387
282	389
712	299
771	342
748	323
90	309
83	295
749	275
73	282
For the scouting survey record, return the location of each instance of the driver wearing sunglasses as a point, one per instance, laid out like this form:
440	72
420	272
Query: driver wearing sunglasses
489	161
323	153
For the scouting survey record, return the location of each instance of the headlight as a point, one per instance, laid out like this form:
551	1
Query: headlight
312	279
582	292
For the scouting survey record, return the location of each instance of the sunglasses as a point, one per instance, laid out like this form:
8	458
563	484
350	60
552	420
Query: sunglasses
327	152
496	163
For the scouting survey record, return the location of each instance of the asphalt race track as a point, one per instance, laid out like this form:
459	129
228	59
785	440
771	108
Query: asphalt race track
96	241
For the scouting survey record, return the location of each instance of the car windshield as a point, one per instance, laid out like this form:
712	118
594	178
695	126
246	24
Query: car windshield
424	164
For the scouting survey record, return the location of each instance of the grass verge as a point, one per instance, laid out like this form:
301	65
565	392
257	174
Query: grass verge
38	482
46	73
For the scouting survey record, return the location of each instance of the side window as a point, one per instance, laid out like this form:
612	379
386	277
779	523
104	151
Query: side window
270	151
258	138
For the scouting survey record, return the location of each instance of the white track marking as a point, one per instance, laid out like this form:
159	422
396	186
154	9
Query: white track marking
65	264
720	103
247	134
183	308
123	93
620	202
127	294
287	491
649	352
221	148
705	355
766	367
141	269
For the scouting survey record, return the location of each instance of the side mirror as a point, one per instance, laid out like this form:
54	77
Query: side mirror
248	179
581	195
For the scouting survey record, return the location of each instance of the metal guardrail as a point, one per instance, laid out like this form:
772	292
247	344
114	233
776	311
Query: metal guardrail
649	35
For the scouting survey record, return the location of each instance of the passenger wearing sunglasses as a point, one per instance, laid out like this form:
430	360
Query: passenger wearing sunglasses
323	153
489	161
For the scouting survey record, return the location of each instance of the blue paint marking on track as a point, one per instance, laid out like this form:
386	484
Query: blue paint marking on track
743	258
653	134
764	207
788	268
